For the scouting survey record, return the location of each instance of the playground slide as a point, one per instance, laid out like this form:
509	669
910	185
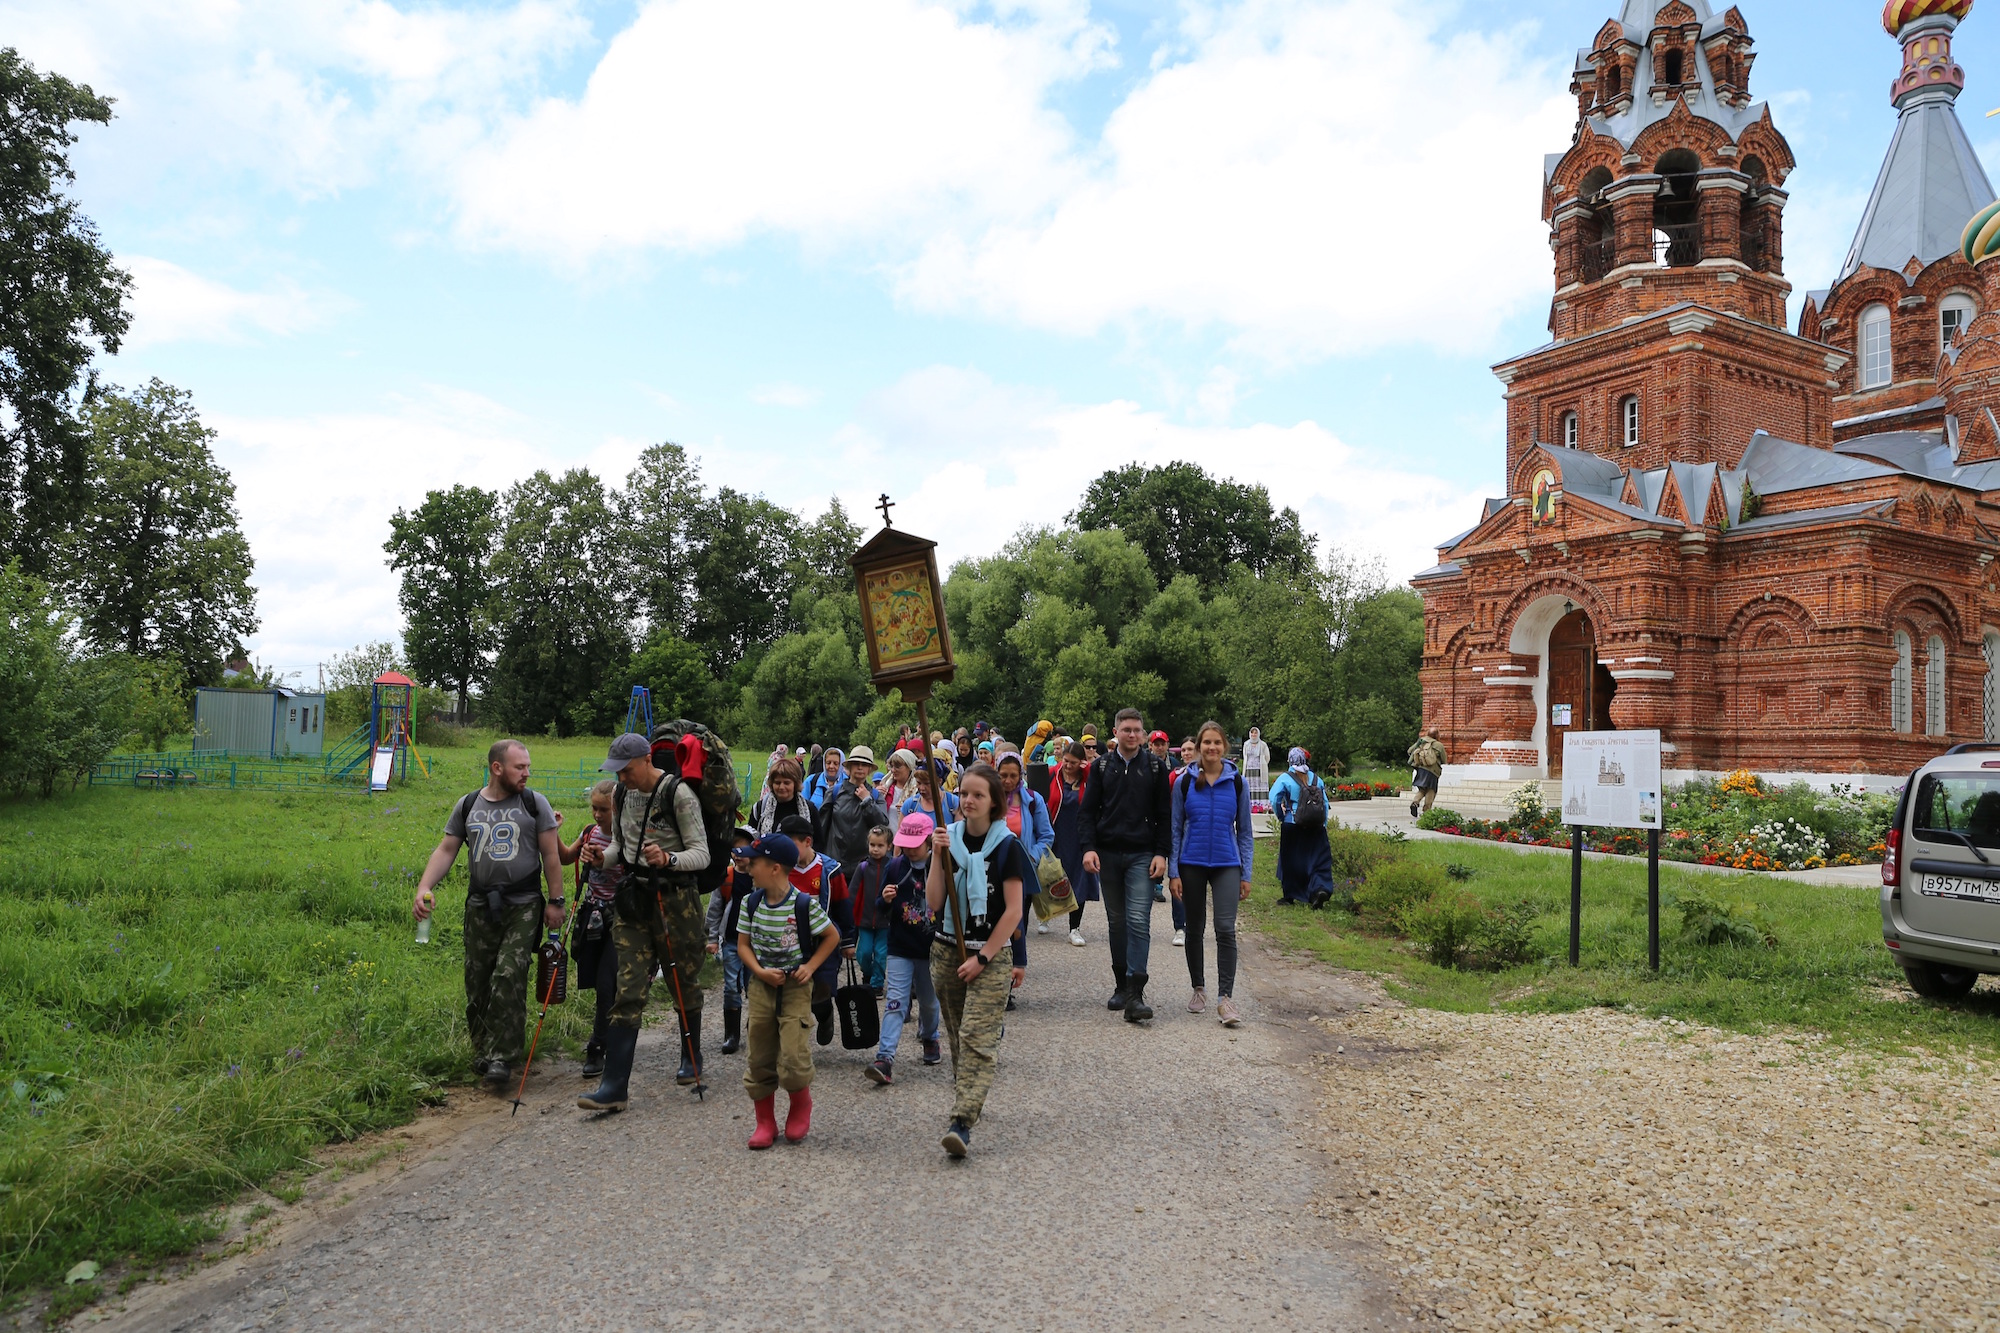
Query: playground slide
378	776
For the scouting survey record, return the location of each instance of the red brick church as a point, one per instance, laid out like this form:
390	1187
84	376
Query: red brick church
1775	546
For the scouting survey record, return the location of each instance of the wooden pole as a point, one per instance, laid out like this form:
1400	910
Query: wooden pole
937	795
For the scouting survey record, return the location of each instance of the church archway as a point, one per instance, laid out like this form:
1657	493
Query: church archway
1574	689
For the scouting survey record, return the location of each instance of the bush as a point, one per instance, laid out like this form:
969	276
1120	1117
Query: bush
1356	852
1507	936
1438	817
1459	871
1708	920
1395	888
1445	923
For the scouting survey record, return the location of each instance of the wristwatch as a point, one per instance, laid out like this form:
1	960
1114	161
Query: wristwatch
984	961
558	902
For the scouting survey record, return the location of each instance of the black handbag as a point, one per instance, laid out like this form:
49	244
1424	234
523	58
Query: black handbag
860	1024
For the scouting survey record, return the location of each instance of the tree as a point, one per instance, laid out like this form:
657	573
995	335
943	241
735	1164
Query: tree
1376	669
444	550
159	703
350	682
743	577
820	553
60	299
61	710
809	685
157	559
673	671
564	625
1188	522
659	511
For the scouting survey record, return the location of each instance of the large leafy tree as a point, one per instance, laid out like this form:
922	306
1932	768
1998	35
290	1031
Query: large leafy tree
444	549
660	510
744	574
61	709
157	559
61	298
564	625
1188	522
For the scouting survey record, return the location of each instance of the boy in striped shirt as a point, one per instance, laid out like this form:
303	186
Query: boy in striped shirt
771	930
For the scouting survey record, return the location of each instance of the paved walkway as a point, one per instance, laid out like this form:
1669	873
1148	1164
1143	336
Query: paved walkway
1124	1177
1389	813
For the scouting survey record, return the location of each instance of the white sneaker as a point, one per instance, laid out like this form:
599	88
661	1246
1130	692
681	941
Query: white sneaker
1076	938
1041	927
1180	939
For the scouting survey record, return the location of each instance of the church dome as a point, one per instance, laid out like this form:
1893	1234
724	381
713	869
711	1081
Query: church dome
1899	14
1982	235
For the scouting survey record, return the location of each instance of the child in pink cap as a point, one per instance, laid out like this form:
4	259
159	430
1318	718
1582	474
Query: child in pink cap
908	971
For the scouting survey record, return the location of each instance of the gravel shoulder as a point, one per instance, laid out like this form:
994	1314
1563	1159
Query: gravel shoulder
1601	1170
1123	1177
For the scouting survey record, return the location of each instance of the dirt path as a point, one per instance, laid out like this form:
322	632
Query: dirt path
1122	1178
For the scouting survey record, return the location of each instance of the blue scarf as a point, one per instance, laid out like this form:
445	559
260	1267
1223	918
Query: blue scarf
969	872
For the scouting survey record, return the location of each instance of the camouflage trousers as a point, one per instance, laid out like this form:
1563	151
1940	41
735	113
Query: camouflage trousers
640	947
973	1013
498	957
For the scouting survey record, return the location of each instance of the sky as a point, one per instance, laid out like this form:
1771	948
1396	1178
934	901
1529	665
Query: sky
970	254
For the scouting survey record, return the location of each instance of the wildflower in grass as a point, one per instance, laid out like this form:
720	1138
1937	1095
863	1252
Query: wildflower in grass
233	1071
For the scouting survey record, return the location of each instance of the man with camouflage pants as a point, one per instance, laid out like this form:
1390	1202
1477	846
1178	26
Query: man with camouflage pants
513	835
658	837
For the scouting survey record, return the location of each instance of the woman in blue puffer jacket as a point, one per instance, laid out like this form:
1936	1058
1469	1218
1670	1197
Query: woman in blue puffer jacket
1210	856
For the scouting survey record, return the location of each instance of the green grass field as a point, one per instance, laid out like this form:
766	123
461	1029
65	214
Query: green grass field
197	988
1828	972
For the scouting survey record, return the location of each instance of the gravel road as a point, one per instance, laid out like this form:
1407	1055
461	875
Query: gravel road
1602	1170
1123	1177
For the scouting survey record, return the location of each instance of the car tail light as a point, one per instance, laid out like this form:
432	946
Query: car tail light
1892	860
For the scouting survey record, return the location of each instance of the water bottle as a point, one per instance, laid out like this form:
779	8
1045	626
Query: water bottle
424	931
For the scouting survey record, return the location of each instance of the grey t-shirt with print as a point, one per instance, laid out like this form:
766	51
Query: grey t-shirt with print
503	841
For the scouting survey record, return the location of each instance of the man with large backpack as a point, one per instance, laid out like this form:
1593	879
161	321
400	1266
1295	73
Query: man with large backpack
660	840
1127	832
512	831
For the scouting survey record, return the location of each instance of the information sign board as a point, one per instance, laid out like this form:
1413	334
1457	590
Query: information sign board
1611	779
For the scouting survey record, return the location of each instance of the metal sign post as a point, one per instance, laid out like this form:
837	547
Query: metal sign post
1611	779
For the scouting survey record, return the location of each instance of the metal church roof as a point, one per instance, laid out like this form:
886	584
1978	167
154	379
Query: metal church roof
1930	183
1638	19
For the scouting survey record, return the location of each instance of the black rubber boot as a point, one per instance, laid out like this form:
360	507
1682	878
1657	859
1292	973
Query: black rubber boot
732	1031
823	1011
1136	1008
619	1044
593	1059
689	1075
1117	1000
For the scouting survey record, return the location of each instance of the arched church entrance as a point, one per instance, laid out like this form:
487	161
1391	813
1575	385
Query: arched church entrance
1579	687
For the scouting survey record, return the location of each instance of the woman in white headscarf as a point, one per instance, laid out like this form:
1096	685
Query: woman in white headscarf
899	784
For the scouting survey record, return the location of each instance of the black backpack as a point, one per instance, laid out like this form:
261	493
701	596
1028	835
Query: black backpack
716	792
1311	811
732	922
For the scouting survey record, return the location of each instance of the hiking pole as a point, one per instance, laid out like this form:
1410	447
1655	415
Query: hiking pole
938	794
548	996
680	1005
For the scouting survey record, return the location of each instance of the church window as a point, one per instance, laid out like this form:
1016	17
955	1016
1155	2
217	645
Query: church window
1899	685
1628	416
1990	648
1877	367
1569	430
1611	82
1954	313
1673	65
1934	719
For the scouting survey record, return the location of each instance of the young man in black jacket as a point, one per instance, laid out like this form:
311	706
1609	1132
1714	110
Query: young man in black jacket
1127	830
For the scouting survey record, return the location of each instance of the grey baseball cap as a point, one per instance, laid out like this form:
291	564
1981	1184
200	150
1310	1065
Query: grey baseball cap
624	750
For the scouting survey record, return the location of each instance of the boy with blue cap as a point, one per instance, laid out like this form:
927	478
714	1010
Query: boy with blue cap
771	930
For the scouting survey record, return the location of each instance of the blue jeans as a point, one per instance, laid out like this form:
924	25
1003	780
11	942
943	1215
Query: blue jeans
732	977
871	952
906	976
1128	908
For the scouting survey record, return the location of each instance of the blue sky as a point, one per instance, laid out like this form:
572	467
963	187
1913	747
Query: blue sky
970	254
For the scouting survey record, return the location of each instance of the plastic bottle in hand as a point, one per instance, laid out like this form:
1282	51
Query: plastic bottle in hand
424	931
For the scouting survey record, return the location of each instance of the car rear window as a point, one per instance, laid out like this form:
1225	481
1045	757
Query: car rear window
1958	803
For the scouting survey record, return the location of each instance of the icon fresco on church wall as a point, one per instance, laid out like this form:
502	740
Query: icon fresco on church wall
1542	496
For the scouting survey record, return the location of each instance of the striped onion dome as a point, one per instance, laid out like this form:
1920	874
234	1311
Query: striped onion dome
1982	235
1898	14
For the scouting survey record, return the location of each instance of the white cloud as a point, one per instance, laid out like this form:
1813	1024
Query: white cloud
710	121
948	441
784	395
1306	176
170	304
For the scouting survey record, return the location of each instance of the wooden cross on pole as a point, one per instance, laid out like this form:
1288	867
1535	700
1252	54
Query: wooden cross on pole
885	505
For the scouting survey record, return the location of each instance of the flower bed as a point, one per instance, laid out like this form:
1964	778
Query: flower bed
1361	791
1739	821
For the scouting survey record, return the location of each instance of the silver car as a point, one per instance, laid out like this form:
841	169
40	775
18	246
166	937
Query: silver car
1941	873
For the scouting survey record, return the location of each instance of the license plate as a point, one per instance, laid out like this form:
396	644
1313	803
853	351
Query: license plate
1954	886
